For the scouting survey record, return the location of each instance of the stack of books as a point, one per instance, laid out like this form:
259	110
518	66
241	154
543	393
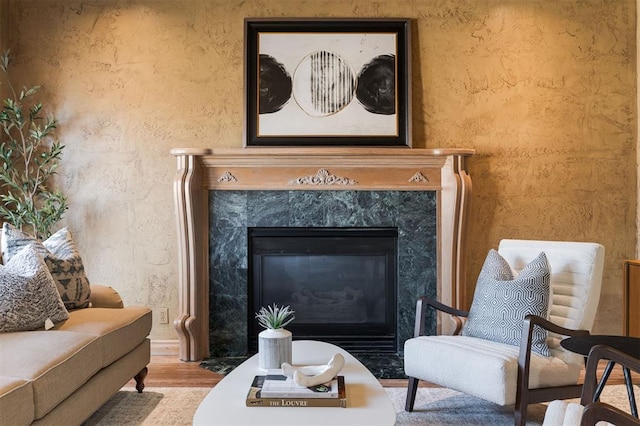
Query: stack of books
277	390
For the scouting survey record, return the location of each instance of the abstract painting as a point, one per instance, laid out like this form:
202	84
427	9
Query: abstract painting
311	82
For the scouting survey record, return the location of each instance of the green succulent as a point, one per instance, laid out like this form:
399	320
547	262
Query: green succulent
275	317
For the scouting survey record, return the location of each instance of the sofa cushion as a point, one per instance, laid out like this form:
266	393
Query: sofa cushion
120	330
28	294
57	362
501	301
62	258
16	401
461	362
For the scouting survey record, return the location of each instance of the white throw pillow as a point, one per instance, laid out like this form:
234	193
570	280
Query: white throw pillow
61	256
501	301
28	293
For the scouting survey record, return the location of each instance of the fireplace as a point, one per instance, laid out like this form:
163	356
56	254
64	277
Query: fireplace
341	283
315	182
405	219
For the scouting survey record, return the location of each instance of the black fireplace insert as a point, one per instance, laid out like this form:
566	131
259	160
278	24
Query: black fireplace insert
341	283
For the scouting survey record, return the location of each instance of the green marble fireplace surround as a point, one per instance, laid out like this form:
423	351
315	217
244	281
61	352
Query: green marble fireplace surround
232	213
219	194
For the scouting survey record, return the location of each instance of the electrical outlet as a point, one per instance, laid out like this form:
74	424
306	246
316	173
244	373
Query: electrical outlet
164	316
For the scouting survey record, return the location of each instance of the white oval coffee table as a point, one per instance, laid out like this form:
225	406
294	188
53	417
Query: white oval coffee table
367	402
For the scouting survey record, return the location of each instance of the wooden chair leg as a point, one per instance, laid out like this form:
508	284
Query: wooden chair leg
412	389
139	378
520	412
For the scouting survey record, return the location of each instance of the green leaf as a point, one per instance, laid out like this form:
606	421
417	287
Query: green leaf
4	61
31	91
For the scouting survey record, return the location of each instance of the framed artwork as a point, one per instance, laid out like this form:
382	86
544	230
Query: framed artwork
323	82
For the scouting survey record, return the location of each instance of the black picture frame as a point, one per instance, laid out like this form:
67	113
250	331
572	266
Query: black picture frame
327	82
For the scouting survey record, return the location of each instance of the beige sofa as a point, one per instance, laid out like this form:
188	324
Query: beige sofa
63	375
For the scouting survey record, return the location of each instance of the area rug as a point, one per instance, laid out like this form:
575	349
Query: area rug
153	407
434	406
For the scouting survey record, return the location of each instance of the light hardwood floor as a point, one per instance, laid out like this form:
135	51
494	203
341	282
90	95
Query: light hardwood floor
169	371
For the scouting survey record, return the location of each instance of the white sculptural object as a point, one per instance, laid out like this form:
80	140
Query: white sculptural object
312	375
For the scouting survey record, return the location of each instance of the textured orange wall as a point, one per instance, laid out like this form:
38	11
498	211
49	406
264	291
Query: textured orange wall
4	24
544	90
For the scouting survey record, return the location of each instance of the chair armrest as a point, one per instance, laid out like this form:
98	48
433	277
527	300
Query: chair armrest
524	356
421	309
531	320
105	297
595	412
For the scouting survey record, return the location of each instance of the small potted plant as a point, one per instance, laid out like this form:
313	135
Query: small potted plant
274	343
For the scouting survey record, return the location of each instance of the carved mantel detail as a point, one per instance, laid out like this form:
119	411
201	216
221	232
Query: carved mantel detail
323	177
369	169
418	178
227	177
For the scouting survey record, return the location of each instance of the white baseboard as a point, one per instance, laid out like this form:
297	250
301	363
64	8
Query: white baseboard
165	348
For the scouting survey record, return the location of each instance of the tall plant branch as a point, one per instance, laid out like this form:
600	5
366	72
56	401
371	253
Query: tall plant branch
29	156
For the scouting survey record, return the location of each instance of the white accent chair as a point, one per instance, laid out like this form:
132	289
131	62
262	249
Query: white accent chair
506	374
588	411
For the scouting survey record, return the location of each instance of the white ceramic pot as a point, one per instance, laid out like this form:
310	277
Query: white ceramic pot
274	348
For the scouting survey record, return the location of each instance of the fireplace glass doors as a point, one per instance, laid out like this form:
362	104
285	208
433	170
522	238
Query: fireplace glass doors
341	283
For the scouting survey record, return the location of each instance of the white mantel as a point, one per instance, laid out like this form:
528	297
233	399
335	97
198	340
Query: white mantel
363	169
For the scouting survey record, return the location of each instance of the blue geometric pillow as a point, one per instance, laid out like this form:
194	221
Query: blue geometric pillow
62	258
501	302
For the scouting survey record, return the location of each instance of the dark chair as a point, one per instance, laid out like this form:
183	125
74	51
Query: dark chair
590	412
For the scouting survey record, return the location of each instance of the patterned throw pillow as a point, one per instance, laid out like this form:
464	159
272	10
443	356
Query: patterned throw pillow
61	256
28	293
501	301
